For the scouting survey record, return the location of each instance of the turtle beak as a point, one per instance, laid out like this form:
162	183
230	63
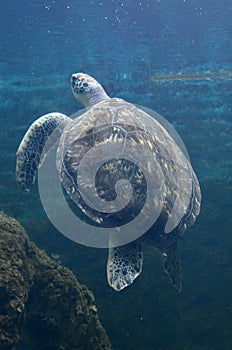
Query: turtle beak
74	80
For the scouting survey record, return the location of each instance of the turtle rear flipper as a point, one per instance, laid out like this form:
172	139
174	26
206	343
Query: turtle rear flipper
171	264
36	143
124	265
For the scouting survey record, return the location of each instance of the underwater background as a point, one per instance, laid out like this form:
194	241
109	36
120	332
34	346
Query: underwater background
175	57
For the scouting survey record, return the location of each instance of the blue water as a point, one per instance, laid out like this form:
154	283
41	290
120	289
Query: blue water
123	44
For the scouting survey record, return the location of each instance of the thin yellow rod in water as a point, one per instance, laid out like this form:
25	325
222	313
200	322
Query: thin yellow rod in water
215	75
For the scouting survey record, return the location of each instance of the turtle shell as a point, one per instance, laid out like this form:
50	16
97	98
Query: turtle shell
116	161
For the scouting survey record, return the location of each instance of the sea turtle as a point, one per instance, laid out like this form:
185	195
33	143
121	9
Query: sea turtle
109	121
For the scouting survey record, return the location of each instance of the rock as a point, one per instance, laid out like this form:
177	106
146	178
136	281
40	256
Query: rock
42	300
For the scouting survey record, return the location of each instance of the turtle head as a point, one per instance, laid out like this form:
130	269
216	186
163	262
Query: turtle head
87	90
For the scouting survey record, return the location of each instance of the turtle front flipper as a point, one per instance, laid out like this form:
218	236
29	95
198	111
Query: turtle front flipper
171	265
31	153
124	265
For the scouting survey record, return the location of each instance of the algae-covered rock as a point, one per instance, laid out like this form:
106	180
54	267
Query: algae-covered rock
42	299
